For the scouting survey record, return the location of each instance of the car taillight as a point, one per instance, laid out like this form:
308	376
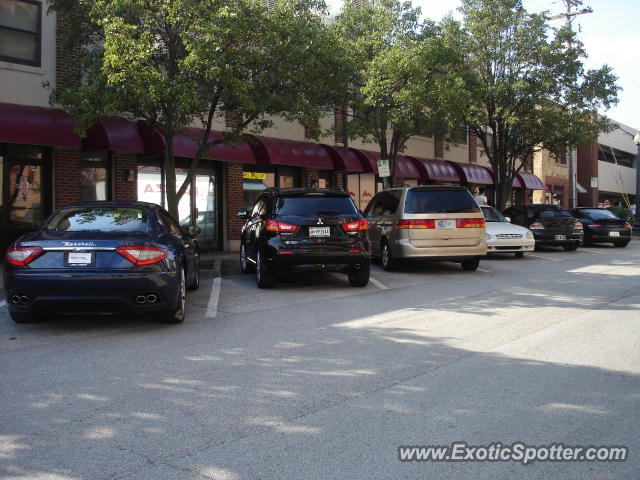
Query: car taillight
626	225
142	255
415	224
275	226
470	223
536	226
22	256
579	226
360	224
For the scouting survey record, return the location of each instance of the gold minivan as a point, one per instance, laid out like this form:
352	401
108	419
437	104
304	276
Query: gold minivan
431	222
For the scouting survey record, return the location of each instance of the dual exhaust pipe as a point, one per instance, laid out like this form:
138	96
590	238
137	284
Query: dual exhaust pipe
19	299
150	298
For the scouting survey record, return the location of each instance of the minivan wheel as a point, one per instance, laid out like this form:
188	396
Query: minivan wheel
194	284
470	265
359	277
572	247
388	262
264	278
245	265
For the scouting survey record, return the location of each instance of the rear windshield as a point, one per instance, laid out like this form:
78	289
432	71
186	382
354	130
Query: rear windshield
554	213
598	214
104	219
316	206
440	201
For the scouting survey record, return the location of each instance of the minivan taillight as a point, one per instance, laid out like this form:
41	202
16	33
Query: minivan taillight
415	224
360	224
142	255
275	226
470	223
22	256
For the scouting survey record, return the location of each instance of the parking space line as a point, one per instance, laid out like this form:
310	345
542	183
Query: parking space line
591	251
546	258
214	297
378	284
484	270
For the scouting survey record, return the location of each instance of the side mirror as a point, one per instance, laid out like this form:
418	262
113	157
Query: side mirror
242	213
508	219
193	230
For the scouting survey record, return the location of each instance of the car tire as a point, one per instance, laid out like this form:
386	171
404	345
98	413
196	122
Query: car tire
245	265
264	277
19	317
470	265
386	257
194	283
621	244
360	277
519	254
572	247
177	314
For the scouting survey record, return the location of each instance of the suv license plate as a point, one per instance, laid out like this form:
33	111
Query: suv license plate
614	234
445	224
561	237
319	231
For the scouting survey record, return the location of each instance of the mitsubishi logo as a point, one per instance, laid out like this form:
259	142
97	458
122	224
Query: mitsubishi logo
319	221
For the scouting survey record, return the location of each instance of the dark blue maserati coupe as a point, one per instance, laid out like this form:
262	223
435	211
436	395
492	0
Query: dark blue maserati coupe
103	258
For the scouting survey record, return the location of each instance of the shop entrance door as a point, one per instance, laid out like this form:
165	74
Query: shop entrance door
206	206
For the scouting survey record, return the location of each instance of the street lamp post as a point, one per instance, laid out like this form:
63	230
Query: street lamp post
636	214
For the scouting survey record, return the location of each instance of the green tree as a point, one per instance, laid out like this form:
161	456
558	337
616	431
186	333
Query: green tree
399	69
175	63
524	86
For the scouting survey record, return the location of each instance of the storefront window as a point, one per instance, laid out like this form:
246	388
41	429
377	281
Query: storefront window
362	188
94	178
253	184
150	184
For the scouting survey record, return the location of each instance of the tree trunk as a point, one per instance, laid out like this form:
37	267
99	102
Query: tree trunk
170	178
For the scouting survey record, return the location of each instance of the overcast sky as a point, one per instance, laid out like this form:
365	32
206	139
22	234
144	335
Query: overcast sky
611	35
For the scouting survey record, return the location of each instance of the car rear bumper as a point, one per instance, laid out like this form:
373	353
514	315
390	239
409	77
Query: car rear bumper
551	239
605	236
402	248
90	292
316	261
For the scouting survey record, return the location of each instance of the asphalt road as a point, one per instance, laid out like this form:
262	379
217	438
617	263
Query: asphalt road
315	379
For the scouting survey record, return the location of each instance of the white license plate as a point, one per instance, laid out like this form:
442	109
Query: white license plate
319	231
80	258
445	224
561	237
614	234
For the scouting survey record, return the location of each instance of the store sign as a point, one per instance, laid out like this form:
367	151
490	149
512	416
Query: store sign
594	182
383	168
254	175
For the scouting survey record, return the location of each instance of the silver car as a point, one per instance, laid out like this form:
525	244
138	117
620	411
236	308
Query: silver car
437	222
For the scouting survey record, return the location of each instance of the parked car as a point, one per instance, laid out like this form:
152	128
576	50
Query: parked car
550	224
435	222
102	258
503	236
304	229
603	226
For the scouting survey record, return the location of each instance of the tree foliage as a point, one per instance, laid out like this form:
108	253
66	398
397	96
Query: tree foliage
175	63
524	86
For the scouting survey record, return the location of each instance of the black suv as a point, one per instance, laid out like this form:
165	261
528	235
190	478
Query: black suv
550	224
296	228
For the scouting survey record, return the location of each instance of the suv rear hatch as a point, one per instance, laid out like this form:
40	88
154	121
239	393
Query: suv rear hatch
556	221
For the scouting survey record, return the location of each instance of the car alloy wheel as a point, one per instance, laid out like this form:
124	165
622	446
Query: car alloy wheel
245	264
387	259
195	281
264	278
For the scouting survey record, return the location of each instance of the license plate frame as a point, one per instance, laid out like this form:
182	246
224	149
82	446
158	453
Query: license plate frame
561	237
445	224
614	234
79	259
319	232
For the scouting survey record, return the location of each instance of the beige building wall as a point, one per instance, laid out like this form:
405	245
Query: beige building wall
22	84
551	173
616	178
456	152
418	146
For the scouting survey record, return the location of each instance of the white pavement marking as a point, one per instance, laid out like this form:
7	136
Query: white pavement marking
378	284
214	297
484	270
591	251
2	303
546	258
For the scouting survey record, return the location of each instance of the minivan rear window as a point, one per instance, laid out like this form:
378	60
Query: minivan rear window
440	201
312	205
104	219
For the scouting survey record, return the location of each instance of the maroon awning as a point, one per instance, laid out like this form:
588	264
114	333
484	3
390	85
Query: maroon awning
343	158
438	170
186	145
277	151
368	158
530	181
50	127
474	174
407	167
516	182
113	134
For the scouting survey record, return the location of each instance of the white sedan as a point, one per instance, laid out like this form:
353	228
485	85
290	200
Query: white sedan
504	237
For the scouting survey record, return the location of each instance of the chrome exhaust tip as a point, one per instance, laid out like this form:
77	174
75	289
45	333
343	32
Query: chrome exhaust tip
18	299
152	298
140	299
15	299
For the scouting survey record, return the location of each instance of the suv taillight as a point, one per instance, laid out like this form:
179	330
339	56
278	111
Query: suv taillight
578	226
275	226
142	255
536	226
22	256
412	224
360	224
470	223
